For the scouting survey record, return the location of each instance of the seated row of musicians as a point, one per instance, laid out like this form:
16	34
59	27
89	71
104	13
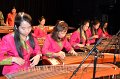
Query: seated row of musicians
84	35
18	47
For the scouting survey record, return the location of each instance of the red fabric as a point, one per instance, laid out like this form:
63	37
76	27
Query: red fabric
10	19
50	45
9	48
38	32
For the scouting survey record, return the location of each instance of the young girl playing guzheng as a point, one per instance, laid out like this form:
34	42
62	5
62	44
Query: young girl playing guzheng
82	36
103	30
41	30
56	41
95	34
18	47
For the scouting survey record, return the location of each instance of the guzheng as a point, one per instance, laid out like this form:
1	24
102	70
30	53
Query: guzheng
64	72
6	29
101	47
41	41
105	58
57	60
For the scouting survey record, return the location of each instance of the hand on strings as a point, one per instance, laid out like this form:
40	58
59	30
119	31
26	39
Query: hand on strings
60	54
73	52
35	60
87	44
18	60
79	45
95	36
104	35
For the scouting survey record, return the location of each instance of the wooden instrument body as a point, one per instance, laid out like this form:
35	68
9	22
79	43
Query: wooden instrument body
65	71
87	72
105	58
6	29
51	61
41	41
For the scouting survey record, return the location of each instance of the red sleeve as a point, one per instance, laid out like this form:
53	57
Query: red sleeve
67	45
100	33
75	38
46	46
37	49
5	47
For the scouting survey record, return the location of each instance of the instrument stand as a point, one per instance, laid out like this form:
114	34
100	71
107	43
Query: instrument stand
117	48
93	49
95	61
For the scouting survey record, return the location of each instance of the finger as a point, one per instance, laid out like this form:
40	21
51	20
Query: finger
62	57
76	54
32	59
22	63
63	53
32	64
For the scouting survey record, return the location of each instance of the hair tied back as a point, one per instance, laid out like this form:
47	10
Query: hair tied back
21	14
61	21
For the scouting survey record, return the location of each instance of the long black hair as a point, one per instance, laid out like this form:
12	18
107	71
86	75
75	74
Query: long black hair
81	29
95	22
102	26
20	17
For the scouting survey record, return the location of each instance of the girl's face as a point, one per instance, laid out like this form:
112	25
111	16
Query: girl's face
105	25
62	34
42	22
24	28
14	11
97	26
86	26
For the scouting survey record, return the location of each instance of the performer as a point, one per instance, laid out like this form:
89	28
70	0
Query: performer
82	36
11	17
2	19
0	42
55	42
104	30
18	47
41	30
94	31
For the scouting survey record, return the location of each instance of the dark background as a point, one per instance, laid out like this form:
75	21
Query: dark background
72	11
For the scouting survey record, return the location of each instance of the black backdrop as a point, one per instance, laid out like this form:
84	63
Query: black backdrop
72	11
